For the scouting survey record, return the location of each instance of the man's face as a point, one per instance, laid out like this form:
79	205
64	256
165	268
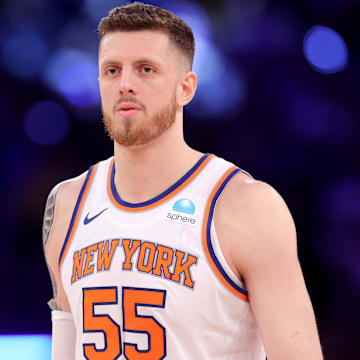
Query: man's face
138	73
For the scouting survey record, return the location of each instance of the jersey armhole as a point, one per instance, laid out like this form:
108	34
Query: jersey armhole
221	258
77	213
211	244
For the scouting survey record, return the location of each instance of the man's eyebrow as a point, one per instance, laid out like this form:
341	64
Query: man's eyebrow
148	61
137	62
109	62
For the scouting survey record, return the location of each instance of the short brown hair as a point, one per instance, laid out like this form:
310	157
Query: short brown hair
139	16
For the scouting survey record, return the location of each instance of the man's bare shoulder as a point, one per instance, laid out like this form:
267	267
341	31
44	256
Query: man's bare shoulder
69	191
244	194
58	211
253	217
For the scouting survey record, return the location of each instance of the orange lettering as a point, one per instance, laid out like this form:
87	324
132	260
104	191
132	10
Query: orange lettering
183	268
104	256
163	262
141	260
129	252
78	265
89	256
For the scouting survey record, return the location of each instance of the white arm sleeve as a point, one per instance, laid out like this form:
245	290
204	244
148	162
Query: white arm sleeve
63	335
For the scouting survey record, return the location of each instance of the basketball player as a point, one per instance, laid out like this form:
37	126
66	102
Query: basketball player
161	251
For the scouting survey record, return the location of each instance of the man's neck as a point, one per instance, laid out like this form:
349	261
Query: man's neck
143	172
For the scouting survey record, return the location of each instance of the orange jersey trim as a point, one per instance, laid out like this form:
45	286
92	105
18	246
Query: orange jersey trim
206	240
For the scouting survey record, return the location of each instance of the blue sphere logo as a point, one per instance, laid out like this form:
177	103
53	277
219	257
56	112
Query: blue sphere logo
185	206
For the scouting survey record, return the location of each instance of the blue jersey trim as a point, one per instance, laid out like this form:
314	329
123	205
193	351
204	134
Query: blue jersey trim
159	197
76	209
208	236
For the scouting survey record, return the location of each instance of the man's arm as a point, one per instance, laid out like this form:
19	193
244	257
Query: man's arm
47	226
52	250
258	237
58	211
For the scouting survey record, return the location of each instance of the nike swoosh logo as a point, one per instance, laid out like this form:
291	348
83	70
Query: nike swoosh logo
88	220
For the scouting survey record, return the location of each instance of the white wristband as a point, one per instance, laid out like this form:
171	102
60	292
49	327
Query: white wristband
63	335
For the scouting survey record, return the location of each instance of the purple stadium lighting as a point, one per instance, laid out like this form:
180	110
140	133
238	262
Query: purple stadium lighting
24	53
97	9
46	123
220	85
325	50
193	14
341	200
74	74
314	119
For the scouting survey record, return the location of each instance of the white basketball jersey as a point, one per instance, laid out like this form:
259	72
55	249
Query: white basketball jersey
148	281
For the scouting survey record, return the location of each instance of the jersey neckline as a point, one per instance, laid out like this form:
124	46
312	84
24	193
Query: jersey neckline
159	199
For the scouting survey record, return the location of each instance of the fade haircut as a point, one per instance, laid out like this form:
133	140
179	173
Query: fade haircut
139	16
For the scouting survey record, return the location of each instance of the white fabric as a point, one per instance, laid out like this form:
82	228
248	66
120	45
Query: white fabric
63	335
205	321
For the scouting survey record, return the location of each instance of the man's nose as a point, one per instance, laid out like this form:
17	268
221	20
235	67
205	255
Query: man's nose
127	82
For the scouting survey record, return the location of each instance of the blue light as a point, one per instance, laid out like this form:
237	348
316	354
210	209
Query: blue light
325	50
96	9
208	61
221	87
193	14
78	34
78	83
29	347
74	74
24	54
219	99
46	123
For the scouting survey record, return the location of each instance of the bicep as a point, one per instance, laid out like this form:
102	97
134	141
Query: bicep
274	280
282	308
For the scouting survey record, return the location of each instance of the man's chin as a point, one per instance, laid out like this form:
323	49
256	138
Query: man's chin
128	136
131	142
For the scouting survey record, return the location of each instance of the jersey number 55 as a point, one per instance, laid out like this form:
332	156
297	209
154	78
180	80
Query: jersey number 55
132	298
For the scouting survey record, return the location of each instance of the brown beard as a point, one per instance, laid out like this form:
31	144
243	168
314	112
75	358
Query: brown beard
128	134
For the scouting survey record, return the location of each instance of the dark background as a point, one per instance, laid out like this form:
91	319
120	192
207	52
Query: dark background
261	104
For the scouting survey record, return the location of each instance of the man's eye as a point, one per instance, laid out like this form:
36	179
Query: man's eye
112	71
147	69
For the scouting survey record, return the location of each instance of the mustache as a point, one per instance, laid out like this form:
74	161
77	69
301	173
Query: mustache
128	98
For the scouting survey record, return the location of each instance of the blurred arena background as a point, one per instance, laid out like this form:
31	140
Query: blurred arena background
278	94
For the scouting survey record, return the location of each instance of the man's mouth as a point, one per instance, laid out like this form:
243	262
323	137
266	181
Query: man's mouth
127	110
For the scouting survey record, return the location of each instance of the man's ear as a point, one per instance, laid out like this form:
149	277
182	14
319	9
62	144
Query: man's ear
187	88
